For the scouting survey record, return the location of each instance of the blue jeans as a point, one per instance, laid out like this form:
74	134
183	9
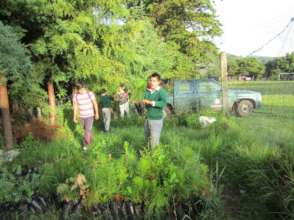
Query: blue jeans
152	130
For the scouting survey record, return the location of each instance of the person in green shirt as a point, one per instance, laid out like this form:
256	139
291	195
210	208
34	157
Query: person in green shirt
105	103
155	99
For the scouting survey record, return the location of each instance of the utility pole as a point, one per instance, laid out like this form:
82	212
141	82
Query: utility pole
224	82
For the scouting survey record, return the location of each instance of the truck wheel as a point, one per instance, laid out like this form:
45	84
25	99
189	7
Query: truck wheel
244	108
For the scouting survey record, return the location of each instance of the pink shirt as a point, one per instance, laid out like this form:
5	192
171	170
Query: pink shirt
85	104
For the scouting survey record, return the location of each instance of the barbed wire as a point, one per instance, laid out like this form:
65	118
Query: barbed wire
274	38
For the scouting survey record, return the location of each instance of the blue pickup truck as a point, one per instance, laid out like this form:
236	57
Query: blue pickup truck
193	95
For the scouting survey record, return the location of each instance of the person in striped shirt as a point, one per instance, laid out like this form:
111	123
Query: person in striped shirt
85	104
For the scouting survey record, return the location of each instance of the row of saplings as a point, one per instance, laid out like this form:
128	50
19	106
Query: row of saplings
114	209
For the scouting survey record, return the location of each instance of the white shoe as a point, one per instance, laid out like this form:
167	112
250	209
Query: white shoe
85	148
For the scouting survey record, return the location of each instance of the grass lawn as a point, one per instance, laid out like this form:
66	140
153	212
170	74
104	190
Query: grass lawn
266	87
274	121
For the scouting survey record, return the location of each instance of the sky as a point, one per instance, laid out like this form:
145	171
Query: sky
249	24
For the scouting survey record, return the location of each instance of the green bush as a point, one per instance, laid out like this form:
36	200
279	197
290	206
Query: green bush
117	165
16	186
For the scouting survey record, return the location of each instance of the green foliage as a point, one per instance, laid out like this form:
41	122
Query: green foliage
14	62
112	42
114	169
249	65
16	68
141	51
279	65
192	163
249	160
15	186
186	23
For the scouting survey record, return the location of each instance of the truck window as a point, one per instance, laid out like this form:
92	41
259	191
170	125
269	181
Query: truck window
185	87
207	87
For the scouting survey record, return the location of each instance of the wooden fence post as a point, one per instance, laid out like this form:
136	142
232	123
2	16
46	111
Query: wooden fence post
224	82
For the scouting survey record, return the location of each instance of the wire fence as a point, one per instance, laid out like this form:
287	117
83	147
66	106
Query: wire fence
277	97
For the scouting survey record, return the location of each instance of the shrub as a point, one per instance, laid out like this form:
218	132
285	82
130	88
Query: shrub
39	130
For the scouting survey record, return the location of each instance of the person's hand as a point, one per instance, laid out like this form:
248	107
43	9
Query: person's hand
96	116
147	102
75	120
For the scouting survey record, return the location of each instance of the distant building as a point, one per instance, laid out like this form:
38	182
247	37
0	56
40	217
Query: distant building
245	77
286	76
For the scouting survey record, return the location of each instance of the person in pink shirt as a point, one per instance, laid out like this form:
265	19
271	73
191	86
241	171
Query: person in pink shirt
85	104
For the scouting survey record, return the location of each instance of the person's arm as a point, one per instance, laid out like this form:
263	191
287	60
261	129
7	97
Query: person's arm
75	111
145	100
96	109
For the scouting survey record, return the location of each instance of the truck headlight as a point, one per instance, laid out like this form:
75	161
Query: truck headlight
260	97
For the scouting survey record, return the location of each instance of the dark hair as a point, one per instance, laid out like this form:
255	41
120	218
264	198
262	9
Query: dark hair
122	85
80	84
155	75
103	91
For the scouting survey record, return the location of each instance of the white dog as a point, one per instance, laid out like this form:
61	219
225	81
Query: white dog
206	121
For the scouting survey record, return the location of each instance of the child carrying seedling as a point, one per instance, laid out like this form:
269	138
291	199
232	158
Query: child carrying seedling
84	103
155	98
105	102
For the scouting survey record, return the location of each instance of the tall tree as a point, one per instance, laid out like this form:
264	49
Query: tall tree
279	65
251	66
111	41
233	66
191	24
14	64
248	65
62	36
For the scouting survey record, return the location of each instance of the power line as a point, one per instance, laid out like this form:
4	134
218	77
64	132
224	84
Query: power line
272	39
286	38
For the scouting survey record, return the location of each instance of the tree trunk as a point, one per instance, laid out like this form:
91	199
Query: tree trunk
52	104
4	106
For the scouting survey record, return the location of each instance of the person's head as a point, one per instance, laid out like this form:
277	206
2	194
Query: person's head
103	92
80	85
154	80
121	88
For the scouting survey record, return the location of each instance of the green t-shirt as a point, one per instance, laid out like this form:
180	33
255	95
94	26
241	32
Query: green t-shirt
105	101
159	96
